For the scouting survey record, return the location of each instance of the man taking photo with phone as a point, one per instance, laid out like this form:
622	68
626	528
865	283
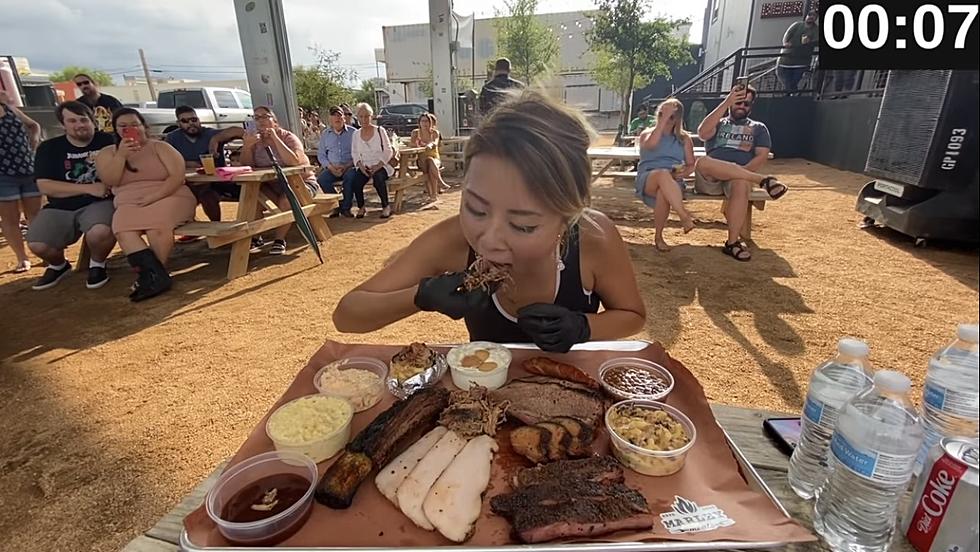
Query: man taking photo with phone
737	147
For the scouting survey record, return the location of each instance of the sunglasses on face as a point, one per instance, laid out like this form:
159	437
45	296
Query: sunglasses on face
348	114
189	120
83	83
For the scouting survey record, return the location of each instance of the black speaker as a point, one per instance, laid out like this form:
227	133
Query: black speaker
926	134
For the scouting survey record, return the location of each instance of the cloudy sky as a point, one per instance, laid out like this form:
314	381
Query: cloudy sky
199	38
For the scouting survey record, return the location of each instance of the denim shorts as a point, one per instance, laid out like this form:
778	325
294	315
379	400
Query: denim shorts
13	188
641	181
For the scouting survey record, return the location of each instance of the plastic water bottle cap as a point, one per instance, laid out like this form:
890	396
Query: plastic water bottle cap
968	332
892	381
852	347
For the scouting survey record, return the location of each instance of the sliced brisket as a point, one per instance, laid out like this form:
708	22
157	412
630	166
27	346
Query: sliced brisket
535	399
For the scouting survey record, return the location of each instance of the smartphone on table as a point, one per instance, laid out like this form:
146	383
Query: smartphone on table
785	431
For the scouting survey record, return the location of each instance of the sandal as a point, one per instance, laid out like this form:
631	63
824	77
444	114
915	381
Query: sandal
22	267
361	211
773	187
738	251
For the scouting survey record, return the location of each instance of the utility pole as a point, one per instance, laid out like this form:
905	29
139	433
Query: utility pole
146	73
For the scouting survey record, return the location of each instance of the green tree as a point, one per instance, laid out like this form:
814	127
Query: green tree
324	83
645	50
530	45
367	95
66	74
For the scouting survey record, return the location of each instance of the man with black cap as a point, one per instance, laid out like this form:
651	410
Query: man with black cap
498	88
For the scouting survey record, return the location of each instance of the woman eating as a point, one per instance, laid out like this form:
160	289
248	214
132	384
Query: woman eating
524	213
427	136
666	157
372	152
147	179
288	151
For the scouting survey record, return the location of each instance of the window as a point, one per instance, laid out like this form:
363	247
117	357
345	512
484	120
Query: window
173	98
714	10
225	99
245	99
399	109
417	110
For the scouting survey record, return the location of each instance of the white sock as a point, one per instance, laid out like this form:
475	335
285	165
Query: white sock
92	263
58	267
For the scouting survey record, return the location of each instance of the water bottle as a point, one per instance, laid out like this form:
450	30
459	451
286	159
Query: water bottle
832	384
951	396
872	454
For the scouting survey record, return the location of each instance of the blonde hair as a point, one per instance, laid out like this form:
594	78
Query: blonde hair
549	142
365	106
679	131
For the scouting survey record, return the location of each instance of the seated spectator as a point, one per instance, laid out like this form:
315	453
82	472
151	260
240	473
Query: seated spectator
19	136
642	121
334	153
192	141
289	152
147	178
427	136
349	116
102	105
372	152
666	157
78	205
736	148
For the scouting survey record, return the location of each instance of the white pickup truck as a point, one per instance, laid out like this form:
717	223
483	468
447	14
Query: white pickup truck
216	107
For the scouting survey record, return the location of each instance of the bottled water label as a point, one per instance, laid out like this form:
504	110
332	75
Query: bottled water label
820	413
950	401
879	467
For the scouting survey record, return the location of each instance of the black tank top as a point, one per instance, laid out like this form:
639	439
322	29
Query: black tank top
491	324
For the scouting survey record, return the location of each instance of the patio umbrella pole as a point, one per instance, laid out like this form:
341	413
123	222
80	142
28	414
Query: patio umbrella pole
299	216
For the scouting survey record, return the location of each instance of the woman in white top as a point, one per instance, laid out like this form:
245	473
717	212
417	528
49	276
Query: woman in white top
372	152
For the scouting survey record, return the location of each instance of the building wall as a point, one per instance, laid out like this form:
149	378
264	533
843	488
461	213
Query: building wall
728	28
842	132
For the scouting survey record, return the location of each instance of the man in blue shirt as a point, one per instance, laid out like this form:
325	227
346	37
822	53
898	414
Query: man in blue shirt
334	152
192	141
737	148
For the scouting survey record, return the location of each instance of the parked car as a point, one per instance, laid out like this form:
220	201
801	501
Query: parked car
401	118
216	107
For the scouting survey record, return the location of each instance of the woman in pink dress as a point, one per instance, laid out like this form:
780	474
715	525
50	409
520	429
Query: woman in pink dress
146	177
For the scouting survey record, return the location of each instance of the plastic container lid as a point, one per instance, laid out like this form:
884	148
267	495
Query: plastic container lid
968	332
852	347
892	382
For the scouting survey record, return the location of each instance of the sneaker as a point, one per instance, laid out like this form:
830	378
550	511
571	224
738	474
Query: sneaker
278	247
257	244
386	212
97	277
51	277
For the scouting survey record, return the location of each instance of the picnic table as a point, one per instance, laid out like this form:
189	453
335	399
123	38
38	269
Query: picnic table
248	221
743	425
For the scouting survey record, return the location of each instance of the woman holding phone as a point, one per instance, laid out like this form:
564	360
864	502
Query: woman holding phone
147	179
666	157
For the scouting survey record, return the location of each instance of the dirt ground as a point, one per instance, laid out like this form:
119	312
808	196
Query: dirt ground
110	412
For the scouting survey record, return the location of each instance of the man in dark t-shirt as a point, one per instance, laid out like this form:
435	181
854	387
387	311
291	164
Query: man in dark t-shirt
102	104
737	147
798	43
192	141
78	203
496	91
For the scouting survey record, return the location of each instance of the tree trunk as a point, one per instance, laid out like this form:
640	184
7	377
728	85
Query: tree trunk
628	101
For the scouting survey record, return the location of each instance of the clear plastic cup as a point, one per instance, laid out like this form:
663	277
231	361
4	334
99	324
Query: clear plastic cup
620	391
361	398
271	530
644	460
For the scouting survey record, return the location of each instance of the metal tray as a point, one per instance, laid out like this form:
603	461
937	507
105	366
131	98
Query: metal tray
752	477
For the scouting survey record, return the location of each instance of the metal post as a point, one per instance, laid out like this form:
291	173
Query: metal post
146	73
443	83
265	47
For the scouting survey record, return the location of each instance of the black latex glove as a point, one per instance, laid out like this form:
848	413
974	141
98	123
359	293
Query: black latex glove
442	294
553	328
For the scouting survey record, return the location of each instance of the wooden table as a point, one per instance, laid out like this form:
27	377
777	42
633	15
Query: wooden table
743	425
249	222
406	175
